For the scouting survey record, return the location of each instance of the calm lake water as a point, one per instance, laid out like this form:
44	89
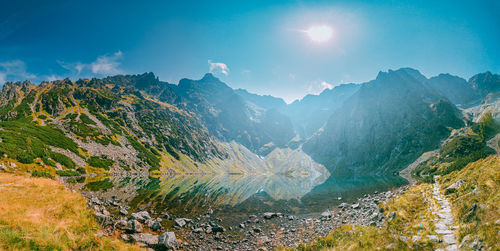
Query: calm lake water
234	197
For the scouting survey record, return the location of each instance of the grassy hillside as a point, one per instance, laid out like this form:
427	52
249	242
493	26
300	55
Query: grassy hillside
51	218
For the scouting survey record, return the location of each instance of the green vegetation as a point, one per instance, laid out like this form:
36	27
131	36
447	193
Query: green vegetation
100	162
460	151
41	174
99	185
475	204
67	173
25	141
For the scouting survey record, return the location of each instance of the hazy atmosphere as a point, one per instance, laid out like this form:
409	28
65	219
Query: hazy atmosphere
260	46
249	125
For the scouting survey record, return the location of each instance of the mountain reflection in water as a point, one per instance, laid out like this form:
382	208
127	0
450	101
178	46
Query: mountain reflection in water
232	195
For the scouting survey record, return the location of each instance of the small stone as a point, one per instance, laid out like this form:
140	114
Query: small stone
269	215
141	216
433	238
415	238
104	220
242	225
355	206
257	230
291	217
123	211
180	222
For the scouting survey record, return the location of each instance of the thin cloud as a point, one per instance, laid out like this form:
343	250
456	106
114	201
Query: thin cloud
104	65
218	67
14	70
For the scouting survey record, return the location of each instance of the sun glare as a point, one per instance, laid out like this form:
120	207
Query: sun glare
320	33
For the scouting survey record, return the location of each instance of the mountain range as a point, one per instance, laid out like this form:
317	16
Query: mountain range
137	123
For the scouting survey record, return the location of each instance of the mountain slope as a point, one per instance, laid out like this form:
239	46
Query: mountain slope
312	112
385	125
456	89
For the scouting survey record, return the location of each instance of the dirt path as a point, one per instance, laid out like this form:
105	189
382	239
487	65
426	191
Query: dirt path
444	220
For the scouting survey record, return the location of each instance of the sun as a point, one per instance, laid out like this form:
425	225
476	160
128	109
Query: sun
320	33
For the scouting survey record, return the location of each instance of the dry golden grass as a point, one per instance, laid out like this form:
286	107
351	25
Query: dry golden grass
481	187
41	214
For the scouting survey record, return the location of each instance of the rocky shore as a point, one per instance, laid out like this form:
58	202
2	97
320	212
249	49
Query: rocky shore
267	231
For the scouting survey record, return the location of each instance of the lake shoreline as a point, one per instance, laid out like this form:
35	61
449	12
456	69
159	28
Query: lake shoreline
259	231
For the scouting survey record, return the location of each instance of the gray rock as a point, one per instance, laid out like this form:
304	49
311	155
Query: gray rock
391	216
433	238
291	217
343	205
141	216
404	238
242	225
2	167
180	222
415	238
198	230
168	240
269	215
326	214
135	226
123	211
456	185
104	220
149	239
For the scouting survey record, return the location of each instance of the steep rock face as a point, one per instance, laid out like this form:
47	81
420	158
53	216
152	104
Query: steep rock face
228	116
385	125
456	89
310	113
485	83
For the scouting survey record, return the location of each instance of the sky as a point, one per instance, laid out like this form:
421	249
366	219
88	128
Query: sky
261	46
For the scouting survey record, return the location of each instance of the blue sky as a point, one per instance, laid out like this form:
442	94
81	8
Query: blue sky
255	45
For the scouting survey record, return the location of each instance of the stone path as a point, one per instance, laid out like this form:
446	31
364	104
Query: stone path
444	221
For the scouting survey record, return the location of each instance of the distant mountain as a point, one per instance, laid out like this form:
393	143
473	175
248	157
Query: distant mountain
456	89
248	119
385	125
485	83
311	112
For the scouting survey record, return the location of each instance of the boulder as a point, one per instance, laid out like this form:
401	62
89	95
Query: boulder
167	240
355	206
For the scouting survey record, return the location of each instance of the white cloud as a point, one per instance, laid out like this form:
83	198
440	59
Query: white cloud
219	67
107	64
104	65
325	85
14	70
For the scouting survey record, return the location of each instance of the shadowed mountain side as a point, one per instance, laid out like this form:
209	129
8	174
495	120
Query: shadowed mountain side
384	126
